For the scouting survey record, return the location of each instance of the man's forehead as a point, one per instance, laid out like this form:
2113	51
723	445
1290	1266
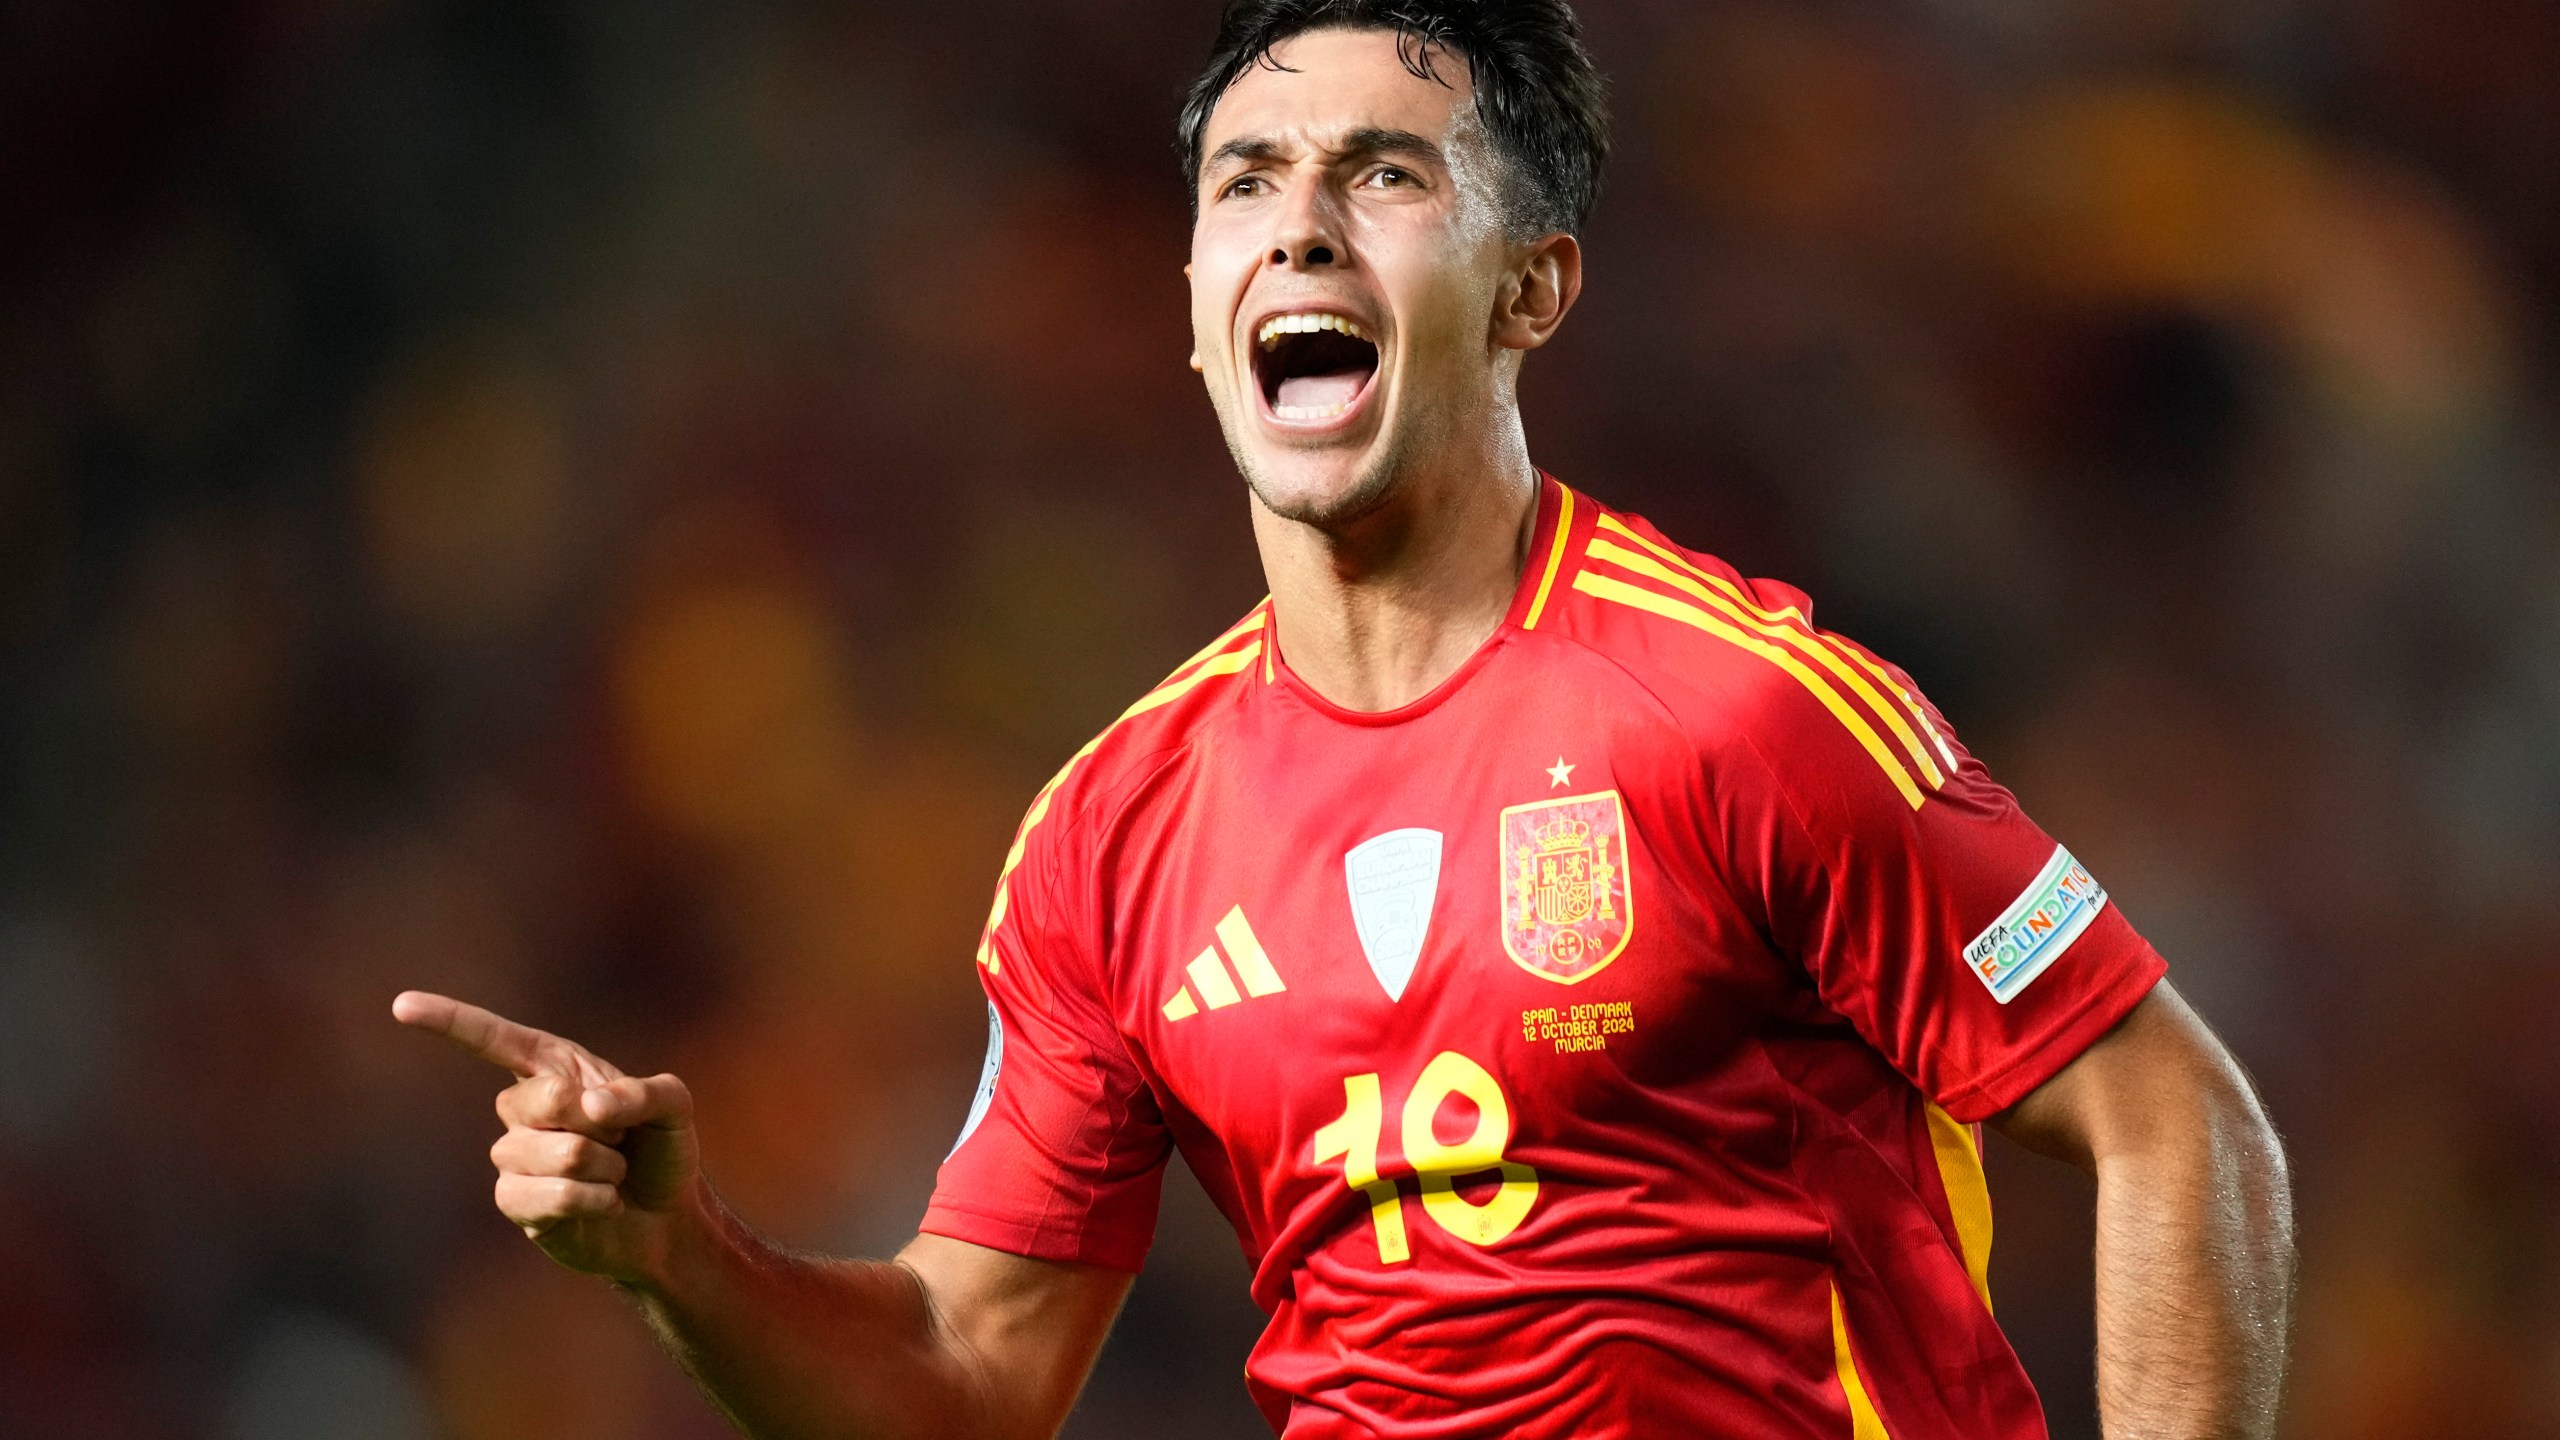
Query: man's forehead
1337	87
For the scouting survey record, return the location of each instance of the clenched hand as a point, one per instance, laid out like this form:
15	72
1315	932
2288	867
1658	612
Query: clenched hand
596	1166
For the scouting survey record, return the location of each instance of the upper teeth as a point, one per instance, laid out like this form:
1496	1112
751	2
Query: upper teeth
1307	323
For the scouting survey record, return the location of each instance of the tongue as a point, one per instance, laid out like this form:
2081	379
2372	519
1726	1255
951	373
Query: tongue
1320	391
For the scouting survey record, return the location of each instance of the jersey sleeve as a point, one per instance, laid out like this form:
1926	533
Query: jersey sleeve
1967	946
1062	1156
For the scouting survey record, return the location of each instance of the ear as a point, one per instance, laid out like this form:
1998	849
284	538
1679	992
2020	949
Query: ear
1534	300
1195	354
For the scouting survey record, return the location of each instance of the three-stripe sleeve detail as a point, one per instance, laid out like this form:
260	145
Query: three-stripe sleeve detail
1876	710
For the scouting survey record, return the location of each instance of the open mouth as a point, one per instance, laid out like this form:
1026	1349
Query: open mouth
1313	367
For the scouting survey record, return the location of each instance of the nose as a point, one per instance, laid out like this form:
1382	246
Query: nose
1308	237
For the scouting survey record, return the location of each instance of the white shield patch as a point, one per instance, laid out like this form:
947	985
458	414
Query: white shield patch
1393	879
987	1074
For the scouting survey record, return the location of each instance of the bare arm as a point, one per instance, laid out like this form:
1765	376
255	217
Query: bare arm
949	1340
2195	1225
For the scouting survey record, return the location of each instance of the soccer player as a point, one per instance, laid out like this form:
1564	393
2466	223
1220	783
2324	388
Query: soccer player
1579	978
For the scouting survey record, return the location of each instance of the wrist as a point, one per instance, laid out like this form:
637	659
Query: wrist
691	1239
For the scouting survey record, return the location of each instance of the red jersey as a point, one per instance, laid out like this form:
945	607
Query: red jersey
1591	1047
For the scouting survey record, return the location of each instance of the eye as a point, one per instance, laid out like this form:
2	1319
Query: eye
1241	186
1391	177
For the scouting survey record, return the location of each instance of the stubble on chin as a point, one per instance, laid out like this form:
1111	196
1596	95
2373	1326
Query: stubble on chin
1371	487
1378	477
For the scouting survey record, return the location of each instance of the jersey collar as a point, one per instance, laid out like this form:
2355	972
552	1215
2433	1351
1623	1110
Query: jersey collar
1531	597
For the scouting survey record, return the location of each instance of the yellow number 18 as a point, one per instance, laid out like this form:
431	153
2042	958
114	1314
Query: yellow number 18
1438	1166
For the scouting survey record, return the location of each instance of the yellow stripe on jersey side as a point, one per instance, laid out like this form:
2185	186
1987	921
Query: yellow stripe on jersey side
1603	587
1864	1422
1206	665
1555	557
1918	712
1968	1195
1810	646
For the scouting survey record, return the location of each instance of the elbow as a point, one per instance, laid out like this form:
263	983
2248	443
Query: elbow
2249	1161
2242	1147
2200	1129
2204	1114
2161	1101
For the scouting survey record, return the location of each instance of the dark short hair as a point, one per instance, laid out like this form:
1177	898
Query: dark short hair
1541	101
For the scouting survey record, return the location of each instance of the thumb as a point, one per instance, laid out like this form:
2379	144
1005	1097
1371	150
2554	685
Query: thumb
654	1102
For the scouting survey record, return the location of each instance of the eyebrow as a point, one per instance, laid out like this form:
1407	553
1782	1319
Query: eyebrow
1367	140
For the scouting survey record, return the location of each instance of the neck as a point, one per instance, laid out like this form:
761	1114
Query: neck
1375	612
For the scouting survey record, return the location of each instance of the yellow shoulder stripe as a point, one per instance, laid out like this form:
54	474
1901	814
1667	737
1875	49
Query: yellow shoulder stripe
1555	556
1261	616
1864	1422
1801	641
1919	713
1620	592
1224	663
1911	702
1968	1195
1187	677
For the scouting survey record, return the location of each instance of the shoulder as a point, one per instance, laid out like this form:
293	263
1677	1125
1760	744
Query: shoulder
1739	661
1151	733
1166	719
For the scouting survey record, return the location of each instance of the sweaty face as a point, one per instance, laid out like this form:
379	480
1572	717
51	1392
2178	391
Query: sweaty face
1344	270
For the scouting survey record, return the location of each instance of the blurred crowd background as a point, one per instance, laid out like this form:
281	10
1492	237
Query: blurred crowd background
611	510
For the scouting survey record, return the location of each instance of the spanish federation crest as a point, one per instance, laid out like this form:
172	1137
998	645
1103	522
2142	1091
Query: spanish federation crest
1568	896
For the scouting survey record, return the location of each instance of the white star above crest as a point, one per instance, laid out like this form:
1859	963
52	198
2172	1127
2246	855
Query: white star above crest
1559	773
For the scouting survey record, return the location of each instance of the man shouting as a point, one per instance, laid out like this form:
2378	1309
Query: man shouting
1578	977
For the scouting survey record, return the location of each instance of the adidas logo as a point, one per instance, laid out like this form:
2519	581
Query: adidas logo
1209	973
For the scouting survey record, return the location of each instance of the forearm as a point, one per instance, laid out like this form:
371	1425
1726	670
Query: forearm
602	1170
793	1346
2195	1276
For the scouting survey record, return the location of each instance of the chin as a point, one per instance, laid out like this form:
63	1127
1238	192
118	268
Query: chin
1324	490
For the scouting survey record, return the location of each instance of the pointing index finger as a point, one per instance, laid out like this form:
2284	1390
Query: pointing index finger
485	1033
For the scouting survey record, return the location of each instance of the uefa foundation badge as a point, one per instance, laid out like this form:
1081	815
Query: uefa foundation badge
2037	927
1568	893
